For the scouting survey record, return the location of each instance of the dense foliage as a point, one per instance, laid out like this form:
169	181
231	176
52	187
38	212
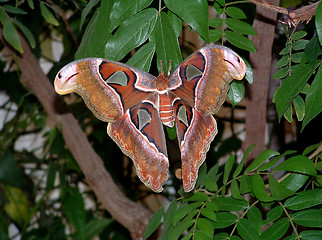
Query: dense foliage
43	193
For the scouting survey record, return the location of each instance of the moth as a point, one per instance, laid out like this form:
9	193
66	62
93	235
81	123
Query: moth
136	104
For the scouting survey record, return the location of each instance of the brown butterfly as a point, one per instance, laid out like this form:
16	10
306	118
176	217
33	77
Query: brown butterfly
136	104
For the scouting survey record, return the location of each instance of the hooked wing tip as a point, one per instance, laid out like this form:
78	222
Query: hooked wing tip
65	80
236	65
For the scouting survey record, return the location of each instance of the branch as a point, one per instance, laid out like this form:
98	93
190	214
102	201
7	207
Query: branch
301	14
130	214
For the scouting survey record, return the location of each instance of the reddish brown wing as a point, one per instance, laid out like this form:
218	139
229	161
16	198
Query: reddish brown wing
195	133
108	88
139	134
202	80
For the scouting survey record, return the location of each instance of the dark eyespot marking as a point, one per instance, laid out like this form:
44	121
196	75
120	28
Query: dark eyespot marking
119	78
144	118
191	72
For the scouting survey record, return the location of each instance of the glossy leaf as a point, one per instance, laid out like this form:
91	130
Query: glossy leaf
281	73
153	223
305	199
167	219
236	92
259	189
311	235
272	162
299	107
241	164
14	10
211	179
254	217
313	49
295	181
298	35
246	230
167	45
282	62
215	35
206	226
235	12
201	236
313	100
240	26
74	209
212	205
311	148
209	213
299	164
240	41
291	86
274	214
47	14
183	225
230	204
194	13
278	191
228	166
216	22
143	57
245	184
87	9
297	57
260	159
308	218
185	210
289	114
196	197
225	219
11	35
131	34
277	230
176	23
235	189
26	32
249	72
221	236
299	44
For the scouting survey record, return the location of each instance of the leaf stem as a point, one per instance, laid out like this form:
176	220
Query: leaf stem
291	221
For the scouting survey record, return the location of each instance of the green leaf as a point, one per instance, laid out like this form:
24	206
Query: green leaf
240	26
313	100
297	57
87	9
273	214
308	218
11	35
299	107
230	204
196	197
221	236
289	114
246	183
240	41
235	189
131	34
282	62
143	57
235	12
10	172
311	235
216	22
168	218
183	225
153	223
176	23
209	213
48	16
285	50
261	158
299	164
281	73
96	226
184	210
313	49
31	4
211	179
318	21
311	148
305	199
277	230
167	45
236	92
228	166
201	236
215	35
259	189
295	181
124	9
194	13
206	226
241	164
201	176
299	44
14	10
225	219
291	86
212	205
74	209
272	162
298	35
246	230
278	191
51	176
255	218
26	32
249	72
16	205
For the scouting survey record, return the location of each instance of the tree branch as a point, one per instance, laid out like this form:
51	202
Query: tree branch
130	214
